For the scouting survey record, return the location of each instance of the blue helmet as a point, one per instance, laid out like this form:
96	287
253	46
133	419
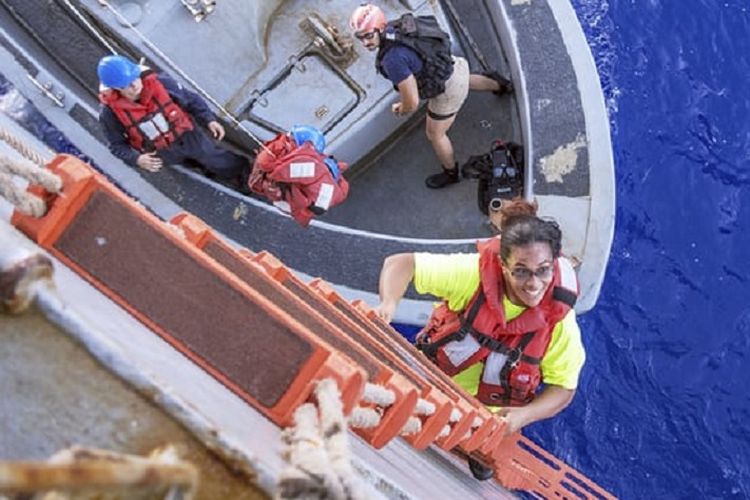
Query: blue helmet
307	133
117	72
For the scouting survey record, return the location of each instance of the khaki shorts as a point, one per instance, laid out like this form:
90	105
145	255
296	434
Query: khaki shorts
448	103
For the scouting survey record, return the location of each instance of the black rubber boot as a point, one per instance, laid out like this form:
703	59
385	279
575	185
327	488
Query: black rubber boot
480	471
445	178
506	86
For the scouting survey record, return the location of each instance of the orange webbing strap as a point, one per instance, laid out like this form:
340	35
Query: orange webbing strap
394	416
430	425
483	425
235	334
521	464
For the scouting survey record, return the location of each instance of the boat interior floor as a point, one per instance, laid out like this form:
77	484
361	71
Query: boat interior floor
388	195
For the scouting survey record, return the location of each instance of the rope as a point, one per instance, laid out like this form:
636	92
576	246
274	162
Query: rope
309	474
317	451
364	418
91	27
31	173
184	75
19	197
23	148
378	395
23	201
92	473
424	408
333	426
413	426
455	417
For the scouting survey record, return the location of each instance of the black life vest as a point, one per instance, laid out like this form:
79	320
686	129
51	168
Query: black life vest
154	121
510	350
423	35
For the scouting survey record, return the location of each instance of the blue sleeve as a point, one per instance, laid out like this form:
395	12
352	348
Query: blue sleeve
399	62
188	100
115	134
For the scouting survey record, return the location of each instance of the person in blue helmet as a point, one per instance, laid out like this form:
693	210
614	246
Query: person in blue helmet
307	133
150	121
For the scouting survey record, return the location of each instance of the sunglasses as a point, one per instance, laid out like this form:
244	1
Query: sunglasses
366	36
525	274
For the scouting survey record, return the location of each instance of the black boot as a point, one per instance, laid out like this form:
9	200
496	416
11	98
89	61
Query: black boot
479	470
446	177
506	86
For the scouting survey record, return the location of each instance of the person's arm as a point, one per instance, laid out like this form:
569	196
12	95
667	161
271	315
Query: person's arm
409	93
397	273
552	400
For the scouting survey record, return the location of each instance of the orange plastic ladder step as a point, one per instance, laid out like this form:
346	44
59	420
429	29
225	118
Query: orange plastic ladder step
522	464
471	408
431	425
196	305
396	415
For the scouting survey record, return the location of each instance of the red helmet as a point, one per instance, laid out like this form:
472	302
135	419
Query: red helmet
366	18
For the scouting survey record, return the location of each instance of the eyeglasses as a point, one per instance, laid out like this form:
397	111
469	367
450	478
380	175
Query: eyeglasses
365	36
525	274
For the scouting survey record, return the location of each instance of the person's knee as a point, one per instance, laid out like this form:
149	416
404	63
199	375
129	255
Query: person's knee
436	135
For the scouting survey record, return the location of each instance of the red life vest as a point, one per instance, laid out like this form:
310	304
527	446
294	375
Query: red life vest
154	121
511	350
296	179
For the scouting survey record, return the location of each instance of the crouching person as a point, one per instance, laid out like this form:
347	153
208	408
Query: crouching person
150	121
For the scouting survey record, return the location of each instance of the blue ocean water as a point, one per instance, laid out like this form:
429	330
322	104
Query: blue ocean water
661	410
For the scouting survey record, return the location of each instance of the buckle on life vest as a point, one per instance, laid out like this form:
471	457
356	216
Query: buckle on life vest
461	333
514	356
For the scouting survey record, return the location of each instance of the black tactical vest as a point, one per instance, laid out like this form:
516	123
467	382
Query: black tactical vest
423	35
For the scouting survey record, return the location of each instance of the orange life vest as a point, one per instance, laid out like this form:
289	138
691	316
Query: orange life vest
154	121
296	179
511	350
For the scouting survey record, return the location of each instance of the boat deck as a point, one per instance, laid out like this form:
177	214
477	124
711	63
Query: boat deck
557	112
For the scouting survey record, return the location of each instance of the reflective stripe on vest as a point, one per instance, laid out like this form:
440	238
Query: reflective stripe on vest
297	179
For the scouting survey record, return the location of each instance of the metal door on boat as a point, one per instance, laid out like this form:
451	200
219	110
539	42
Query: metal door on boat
309	90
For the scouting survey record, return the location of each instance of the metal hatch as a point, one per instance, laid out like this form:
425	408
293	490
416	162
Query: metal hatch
310	90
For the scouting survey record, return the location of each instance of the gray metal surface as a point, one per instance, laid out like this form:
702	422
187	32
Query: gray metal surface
388	205
92	339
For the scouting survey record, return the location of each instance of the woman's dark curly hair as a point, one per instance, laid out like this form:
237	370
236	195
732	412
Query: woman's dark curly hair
522	230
